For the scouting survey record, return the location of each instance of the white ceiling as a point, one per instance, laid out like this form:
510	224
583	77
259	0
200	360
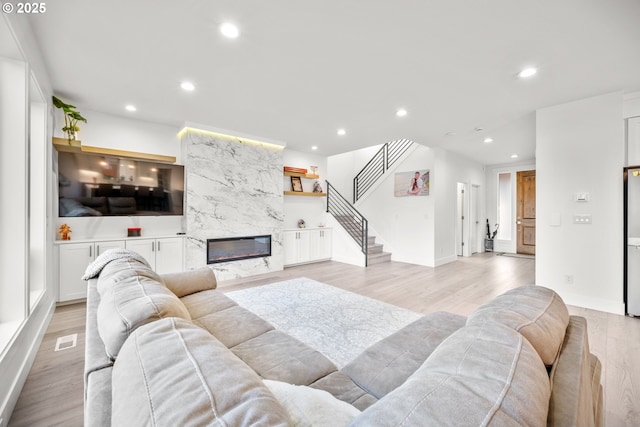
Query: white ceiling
300	69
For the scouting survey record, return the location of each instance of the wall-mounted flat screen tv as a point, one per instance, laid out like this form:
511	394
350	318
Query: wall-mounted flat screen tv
98	185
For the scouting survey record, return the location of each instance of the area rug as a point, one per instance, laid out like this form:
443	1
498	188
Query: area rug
338	323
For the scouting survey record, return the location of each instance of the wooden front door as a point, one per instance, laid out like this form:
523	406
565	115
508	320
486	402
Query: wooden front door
526	212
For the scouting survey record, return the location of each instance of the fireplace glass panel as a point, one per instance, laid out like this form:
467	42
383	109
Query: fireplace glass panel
235	248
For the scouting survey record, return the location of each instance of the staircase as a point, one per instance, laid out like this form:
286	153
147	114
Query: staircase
375	254
374	251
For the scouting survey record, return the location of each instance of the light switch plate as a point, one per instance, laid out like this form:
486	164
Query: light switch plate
582	219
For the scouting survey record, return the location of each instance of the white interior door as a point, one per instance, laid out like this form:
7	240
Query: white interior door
474	223
460	220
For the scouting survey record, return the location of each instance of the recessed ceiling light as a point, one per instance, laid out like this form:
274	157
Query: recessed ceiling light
130	108
401	112
229	30
188	86
315	147
527	72
450	134
488	140
342	132
514	156
478	129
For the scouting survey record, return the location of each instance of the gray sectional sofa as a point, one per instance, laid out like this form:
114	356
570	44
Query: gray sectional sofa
172	350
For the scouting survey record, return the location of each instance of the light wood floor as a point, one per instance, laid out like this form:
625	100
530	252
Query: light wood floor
53	393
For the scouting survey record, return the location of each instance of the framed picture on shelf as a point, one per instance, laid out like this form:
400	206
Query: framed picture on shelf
296	184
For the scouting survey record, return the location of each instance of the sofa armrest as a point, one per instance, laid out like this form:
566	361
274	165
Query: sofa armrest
95	357
191	281
574	375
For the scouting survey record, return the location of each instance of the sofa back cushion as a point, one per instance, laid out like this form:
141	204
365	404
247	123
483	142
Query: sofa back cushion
131	295
191	281
485	374
173	373
538	313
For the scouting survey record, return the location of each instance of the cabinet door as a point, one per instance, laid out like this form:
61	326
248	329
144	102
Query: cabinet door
289	242
320	244
169	255
323	244
146	248
303	246
104	246
74	259
296	247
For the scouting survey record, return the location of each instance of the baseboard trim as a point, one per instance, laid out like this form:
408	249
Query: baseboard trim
592	303
445	260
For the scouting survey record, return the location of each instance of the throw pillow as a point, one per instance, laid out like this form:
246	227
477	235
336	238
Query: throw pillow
310	407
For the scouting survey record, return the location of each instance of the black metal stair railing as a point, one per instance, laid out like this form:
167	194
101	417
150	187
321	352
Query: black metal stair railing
388	154
351	220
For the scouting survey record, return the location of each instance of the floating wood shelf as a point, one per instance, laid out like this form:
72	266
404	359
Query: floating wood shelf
304	193
62	144
302	175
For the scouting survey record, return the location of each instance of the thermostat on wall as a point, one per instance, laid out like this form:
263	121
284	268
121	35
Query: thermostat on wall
582	197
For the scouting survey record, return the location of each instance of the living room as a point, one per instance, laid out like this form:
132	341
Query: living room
576	145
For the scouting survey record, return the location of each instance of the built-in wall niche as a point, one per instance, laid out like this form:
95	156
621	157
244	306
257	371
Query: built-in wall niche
107	185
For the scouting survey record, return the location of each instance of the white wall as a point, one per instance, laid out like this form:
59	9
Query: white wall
451	169
418	230
121	133
580	148
404	224
631	105
311	209
342	168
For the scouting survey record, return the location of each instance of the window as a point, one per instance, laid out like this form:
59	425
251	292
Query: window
505	192
37	192
13	197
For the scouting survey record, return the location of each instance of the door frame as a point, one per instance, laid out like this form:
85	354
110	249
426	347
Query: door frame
509	246
522	222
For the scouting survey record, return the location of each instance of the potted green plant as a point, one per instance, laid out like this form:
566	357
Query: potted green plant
71	118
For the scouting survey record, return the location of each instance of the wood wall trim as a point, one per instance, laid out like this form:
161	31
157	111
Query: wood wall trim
62	144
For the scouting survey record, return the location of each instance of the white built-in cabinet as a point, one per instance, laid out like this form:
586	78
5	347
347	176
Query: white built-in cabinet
306	245
165	255
74	259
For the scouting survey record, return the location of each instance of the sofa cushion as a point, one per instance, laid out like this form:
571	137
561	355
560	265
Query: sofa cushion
275	355
538	313
388	363
204	303
234	325
122	205
312	407
173	373
484	374
97	407
343	388
190	282
131	295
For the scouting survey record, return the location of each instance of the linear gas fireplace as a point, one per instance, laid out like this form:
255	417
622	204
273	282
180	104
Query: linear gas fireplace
235	248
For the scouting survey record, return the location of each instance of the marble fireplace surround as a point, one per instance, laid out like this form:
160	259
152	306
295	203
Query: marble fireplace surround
234	188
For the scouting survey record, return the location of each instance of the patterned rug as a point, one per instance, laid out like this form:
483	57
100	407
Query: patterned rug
338	323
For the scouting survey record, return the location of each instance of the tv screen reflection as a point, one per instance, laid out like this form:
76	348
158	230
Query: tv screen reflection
97	185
